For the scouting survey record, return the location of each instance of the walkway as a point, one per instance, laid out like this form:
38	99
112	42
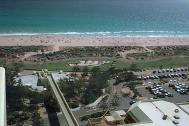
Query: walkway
69	117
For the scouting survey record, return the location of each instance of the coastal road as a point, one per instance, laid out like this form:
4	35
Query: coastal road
67	114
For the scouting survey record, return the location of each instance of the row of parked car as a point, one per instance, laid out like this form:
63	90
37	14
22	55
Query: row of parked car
180	88
153	77
166	73
158	91
171	70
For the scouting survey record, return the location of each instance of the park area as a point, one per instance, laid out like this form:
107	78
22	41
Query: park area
166	62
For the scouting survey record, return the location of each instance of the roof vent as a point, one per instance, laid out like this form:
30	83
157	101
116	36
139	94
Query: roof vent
164	117
175	121
176	110
176	116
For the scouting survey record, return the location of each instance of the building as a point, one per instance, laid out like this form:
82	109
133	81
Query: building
3	121
115	118
149	113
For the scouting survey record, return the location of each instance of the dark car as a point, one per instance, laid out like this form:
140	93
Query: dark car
183	92
161	95
171	85
184	77
132	102
170	95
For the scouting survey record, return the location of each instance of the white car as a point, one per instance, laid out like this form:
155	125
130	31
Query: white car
166	94
178	90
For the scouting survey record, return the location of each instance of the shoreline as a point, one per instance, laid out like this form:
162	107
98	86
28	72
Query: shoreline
90	40
103	33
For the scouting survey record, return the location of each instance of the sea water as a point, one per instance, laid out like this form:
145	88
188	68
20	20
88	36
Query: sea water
102	17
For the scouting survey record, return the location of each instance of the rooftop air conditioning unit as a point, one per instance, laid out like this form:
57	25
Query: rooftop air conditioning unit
164	117
176	110
176	116
175	121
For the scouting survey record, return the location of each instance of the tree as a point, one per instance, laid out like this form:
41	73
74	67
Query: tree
75	69
85	71
17	96
20	103
132	85
78	85
20	82
10	74
133	67
88	96
112	71
36	118
14	82
67	87
95	71
161	66
51	102
130	76
18	67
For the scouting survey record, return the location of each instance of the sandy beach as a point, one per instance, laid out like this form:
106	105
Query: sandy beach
87	40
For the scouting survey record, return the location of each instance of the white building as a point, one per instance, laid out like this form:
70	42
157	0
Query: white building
149	113
159	113
3	121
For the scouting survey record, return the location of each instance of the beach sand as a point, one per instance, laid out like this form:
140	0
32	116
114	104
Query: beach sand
89	40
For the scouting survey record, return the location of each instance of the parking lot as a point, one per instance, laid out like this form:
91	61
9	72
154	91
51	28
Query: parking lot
165	73
169	84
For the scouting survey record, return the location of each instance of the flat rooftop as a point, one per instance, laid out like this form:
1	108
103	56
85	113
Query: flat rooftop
185	107
155	110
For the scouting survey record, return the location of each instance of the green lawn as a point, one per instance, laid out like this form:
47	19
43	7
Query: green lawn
164	62
59	65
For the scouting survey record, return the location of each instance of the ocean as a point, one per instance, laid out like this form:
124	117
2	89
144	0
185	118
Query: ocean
103	17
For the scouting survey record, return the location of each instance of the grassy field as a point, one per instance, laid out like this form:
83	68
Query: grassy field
118	63
165	63
59	65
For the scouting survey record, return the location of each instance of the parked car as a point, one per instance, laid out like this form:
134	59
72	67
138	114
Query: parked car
171	85
132	102
170	95
161	95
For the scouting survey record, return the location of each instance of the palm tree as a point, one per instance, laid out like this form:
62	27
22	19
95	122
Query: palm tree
75	69
78	85
20	83
85	71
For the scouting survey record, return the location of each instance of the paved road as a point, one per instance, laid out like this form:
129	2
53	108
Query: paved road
67	115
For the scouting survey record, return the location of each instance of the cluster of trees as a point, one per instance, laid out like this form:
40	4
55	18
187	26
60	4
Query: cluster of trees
68	87
86	89
72	89
13	51
50	101
94	86
22	102
125	76
134	67
170	50
83	52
